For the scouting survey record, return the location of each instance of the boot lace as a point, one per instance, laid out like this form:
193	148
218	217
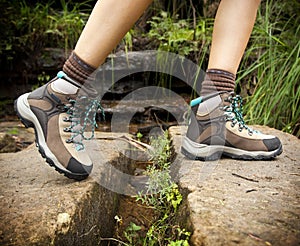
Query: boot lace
82	115
234	113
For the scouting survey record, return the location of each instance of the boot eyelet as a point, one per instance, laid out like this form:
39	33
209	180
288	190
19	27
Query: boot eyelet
69	140
67	129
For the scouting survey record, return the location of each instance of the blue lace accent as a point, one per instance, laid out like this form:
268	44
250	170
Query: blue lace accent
235	113
82	114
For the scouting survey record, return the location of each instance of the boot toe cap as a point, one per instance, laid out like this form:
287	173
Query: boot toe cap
76	167
272	143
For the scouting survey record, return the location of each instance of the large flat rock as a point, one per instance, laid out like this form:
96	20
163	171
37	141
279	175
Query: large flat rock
39	206
232	202
229	202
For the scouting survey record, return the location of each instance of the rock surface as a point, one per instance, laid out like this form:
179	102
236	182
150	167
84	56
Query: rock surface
228	202
38	206
233	202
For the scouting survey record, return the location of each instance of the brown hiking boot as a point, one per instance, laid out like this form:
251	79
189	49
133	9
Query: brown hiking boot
217	129
59	121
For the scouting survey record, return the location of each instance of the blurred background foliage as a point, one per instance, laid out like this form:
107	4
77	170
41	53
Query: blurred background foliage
268	77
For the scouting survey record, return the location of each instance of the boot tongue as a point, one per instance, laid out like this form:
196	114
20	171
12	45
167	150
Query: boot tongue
60	97
211	103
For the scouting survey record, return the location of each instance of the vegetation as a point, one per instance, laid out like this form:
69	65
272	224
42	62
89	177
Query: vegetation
270	70
268	77
28	28
163	197
176	35
269	74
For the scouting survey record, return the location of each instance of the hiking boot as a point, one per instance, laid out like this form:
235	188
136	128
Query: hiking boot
59	121
217	129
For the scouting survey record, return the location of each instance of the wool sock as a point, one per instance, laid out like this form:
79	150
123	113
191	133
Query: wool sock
77	70
217	80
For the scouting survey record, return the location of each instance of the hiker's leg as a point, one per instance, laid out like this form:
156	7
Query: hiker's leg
232	28
51	109
107	25
218	127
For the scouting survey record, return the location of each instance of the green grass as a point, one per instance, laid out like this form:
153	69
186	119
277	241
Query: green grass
272	67
269	75
26	29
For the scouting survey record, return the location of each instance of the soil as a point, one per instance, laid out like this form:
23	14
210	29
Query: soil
14	136
130	211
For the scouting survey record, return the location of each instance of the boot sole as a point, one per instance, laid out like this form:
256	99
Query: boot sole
205	152
29	120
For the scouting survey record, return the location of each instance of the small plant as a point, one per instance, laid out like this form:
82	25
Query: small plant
163	196
179	36
42	79
139	136
13	131
190	38
131	233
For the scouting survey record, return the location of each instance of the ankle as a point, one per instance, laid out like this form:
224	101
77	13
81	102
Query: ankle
78	69
217	80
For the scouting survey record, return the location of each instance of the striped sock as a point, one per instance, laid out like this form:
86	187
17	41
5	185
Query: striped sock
217	80
78	69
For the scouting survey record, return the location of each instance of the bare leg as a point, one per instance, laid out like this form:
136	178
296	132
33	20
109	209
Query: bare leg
107	25
233	25
59	134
